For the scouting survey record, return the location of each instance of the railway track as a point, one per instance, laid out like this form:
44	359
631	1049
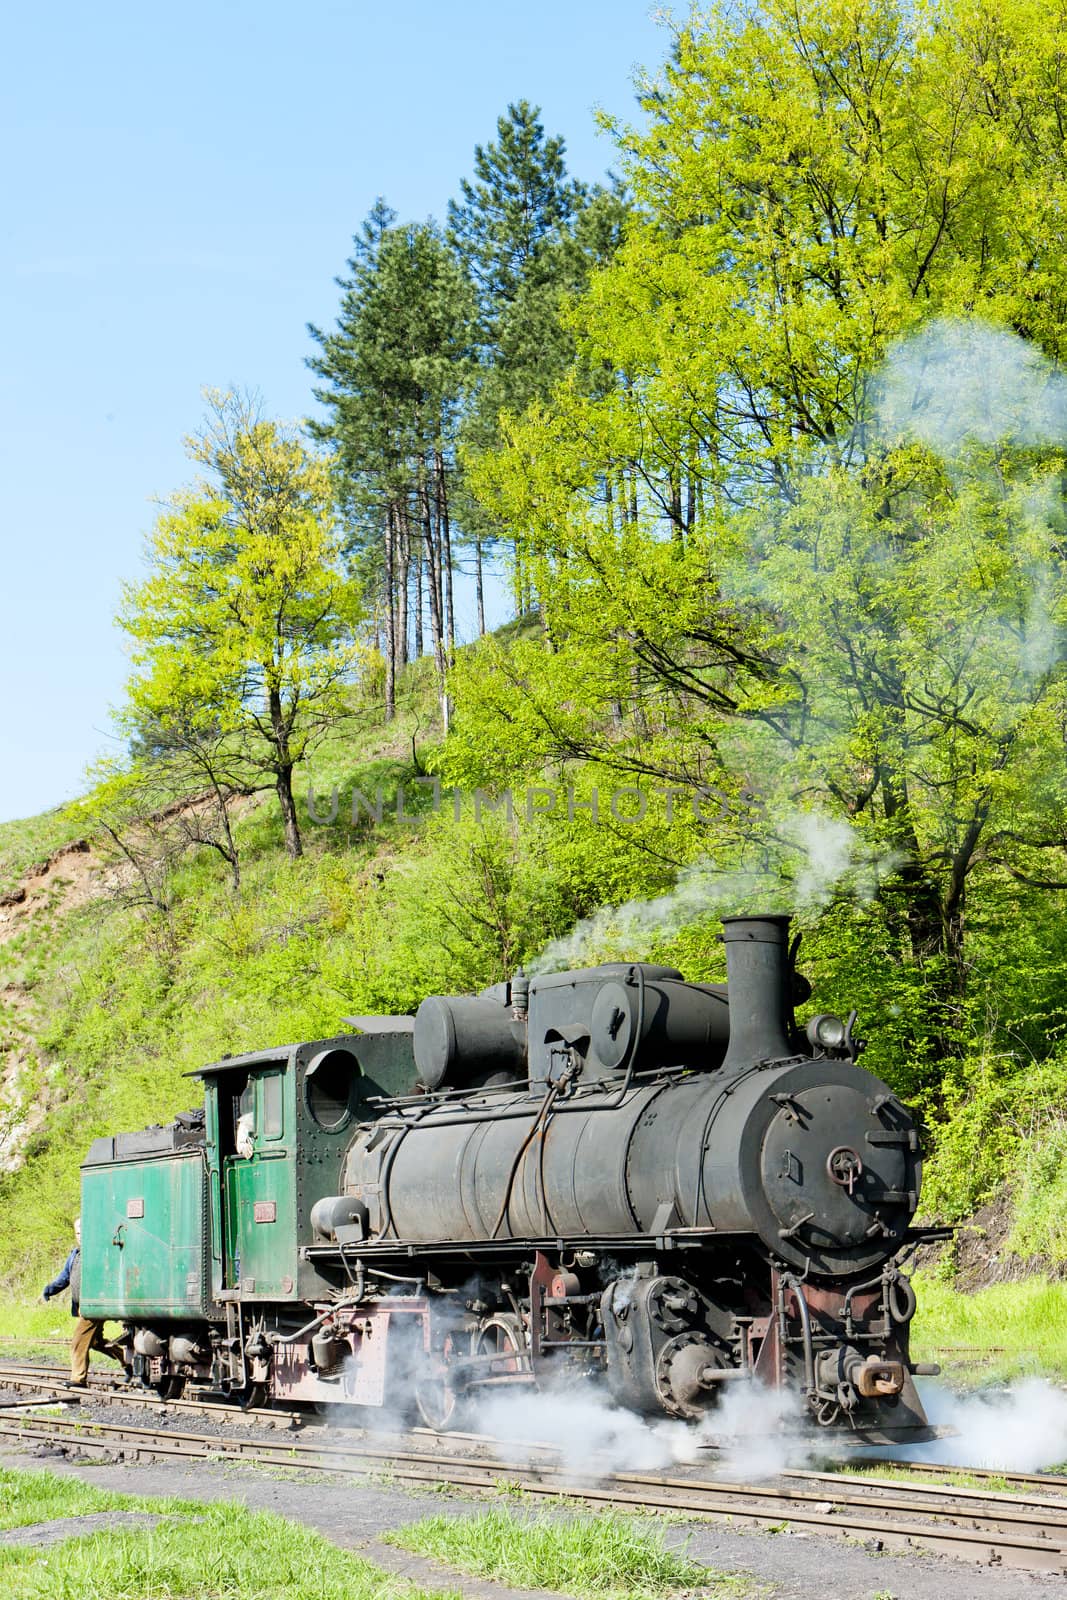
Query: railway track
986	1525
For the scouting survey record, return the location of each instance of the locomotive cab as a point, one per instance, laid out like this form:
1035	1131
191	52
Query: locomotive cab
278	1124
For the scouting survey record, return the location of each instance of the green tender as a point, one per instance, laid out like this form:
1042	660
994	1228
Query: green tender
144	1227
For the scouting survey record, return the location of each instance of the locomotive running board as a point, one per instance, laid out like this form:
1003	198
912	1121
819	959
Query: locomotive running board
673	1239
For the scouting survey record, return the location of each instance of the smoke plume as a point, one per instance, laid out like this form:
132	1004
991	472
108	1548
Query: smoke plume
754	1432
958	382
810	858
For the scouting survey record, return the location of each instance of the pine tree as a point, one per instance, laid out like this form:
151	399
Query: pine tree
518	203
528	236
394	371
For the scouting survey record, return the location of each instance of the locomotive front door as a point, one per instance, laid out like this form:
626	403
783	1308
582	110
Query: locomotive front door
257	1203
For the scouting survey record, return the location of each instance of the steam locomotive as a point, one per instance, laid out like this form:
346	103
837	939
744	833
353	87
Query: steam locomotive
606	1174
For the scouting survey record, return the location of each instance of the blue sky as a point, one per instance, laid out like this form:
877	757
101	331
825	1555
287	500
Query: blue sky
181	188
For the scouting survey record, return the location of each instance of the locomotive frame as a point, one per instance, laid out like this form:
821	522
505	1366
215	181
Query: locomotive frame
607	1173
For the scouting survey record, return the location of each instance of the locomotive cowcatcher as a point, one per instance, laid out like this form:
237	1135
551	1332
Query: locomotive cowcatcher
599	1174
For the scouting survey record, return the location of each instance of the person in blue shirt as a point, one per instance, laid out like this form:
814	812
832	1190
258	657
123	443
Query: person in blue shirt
62	1279
88	1333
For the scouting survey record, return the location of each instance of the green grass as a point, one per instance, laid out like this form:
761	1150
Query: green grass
1039	1226
120	1006
607	1557
30	1329
1022	1326
197	1552
951	1477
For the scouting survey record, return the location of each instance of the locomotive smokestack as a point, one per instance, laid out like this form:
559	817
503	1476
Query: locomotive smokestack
757	987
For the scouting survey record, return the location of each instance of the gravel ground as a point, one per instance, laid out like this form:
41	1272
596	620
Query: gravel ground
787	1566
60	1528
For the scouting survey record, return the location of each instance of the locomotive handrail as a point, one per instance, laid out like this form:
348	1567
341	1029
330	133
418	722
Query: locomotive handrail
461	1098
577	1101
790	1282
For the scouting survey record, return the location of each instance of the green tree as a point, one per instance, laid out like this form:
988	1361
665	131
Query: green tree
510	216
527	235
393	372
763	553
244	629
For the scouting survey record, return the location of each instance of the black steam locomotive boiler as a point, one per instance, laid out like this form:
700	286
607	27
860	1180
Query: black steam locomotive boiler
600	1174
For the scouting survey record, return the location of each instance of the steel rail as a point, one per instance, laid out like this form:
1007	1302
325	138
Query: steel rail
104	1388
1057	1500
961	1526
931	1468
106	1392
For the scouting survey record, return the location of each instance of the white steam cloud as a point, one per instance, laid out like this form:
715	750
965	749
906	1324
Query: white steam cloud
813	857
959	383
754	1432
1019	1429
962	381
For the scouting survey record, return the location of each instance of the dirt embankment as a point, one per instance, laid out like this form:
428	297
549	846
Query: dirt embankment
70	877
981	1255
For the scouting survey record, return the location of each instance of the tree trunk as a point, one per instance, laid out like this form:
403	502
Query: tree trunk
293	842
677	522
479	587
283	775
417	563
956	895
433	583
935	937
400	586
446	555
389	598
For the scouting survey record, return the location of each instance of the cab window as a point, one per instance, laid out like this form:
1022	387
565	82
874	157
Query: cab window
270	1119
244	1102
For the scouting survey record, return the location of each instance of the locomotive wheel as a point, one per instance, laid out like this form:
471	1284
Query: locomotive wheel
252	1398
437	1402
501	1335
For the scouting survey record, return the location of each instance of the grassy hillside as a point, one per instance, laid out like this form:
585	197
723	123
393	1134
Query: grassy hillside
104	1006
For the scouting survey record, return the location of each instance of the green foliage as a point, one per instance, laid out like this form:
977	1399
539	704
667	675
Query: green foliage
511	215
393	372
1039	1193
792	549
1026	1321
195	1551
609	1556
243	631
528	237
393	369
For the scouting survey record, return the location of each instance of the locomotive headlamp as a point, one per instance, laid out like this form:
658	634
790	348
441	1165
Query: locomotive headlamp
826	1031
